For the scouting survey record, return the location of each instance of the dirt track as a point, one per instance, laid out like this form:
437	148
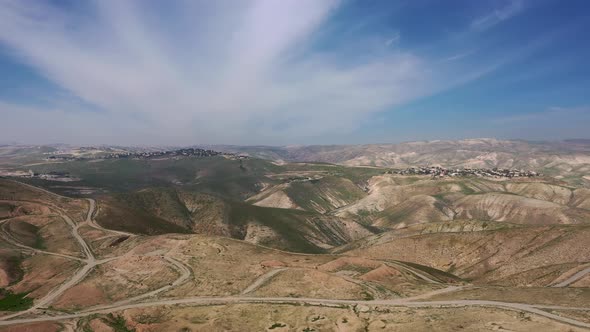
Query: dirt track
185	273
261	280
533	309
90	263
574	278
92	223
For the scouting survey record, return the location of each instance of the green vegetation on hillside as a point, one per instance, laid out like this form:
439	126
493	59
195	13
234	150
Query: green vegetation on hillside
289	224
117	323
168	210
325	194
14	302
6	210
115	214
216	175
12	267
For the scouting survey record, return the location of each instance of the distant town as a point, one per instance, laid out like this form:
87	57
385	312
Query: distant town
50	176
482	172
188	152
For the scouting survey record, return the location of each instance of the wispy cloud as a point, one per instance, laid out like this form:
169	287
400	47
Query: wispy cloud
459	56
497	15
393	39
210	72
551	113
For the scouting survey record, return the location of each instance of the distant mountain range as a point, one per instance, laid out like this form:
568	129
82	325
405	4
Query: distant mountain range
119	235
446	152
568	159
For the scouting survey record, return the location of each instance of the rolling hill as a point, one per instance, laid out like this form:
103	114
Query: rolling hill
328	244
167	210
568	159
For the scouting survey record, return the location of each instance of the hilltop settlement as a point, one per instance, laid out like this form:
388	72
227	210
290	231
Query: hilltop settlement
186	152
436	171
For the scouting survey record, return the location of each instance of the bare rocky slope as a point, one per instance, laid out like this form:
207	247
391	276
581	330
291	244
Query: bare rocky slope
398	201
188	254
513	256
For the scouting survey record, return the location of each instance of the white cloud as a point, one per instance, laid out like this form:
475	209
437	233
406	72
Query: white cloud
393	39
498	15
206	72
459	56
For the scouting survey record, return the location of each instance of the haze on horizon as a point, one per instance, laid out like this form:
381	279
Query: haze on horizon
292	72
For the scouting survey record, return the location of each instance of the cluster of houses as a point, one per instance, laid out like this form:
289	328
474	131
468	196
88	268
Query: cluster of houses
302	179
481	172
51	176
188	152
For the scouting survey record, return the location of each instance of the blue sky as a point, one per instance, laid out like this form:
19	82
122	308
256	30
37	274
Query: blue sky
292	71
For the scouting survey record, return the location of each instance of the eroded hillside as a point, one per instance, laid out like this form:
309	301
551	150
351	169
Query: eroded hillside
356	245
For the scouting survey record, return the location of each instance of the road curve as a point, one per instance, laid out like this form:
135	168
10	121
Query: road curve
92	223
76	278
184	275
85	247
8	238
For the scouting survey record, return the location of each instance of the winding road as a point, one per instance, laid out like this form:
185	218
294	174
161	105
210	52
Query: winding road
185	274
8	238
92	223
90	263
148	300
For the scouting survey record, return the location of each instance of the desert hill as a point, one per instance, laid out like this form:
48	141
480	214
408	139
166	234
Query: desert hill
165	210
138	242
569	159
515	256
397	201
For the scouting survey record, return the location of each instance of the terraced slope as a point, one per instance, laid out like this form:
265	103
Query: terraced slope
320	195
398	201
581	198
516	256
541	191
511	208
416	209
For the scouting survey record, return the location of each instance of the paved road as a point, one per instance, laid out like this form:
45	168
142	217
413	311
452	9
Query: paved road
574	278
311	301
